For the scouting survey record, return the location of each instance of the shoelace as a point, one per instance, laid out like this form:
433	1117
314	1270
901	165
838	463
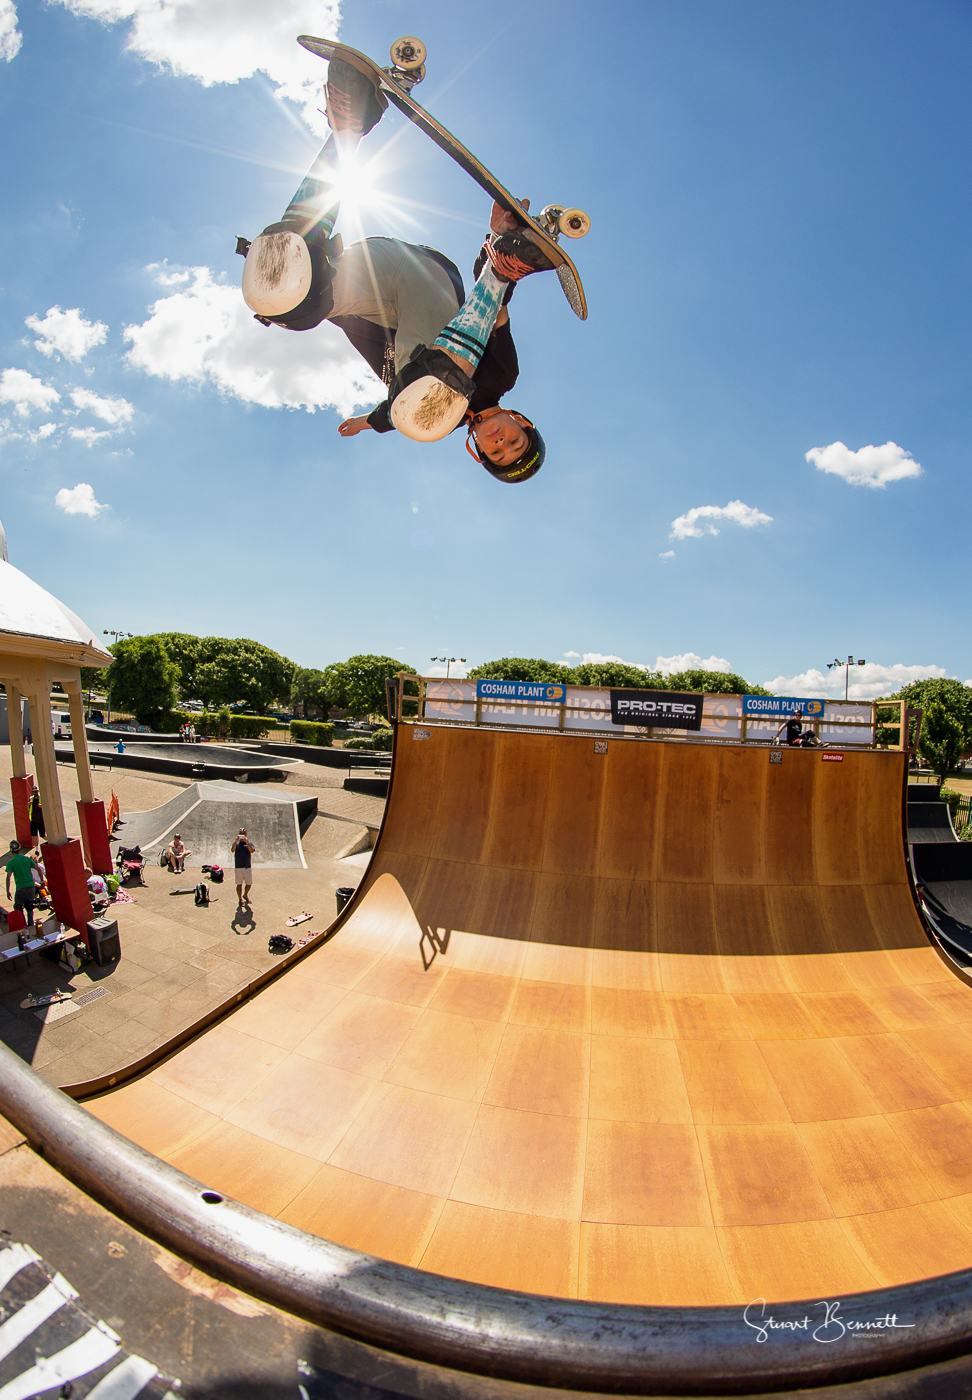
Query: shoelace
339	104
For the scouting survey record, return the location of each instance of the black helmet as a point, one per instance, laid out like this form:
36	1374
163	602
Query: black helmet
526	465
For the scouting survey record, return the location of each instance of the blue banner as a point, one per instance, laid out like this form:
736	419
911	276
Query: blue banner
779	706
538	692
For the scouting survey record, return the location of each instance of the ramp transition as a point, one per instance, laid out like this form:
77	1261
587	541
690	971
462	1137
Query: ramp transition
657	1024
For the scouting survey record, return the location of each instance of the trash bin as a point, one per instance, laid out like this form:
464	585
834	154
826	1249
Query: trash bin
344	894
103	941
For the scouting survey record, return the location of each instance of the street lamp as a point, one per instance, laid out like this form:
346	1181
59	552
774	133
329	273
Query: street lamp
110	632
846	665
449	661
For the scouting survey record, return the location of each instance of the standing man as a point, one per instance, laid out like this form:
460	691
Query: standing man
36	813
21	867
242	851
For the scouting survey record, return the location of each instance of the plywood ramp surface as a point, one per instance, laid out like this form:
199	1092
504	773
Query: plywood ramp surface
659	1025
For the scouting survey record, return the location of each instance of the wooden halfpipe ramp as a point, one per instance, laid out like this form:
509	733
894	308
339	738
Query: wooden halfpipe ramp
639	1022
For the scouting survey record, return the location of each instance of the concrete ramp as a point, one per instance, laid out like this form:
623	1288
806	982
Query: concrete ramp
208	817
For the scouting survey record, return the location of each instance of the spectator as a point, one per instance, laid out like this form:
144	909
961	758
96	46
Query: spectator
97	889
242	851
35	811
21	867
177	853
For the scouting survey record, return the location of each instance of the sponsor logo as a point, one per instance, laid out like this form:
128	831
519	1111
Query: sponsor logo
665	709
832	757
539	692
779	706
421	734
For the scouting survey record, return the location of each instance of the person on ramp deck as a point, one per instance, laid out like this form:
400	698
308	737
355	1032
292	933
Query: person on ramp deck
446	358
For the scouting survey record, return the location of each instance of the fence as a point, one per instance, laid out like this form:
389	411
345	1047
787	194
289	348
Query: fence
587	709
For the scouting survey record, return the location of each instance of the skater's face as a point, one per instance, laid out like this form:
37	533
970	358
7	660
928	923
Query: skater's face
501	438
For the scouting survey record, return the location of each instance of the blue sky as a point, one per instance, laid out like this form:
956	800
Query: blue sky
778	267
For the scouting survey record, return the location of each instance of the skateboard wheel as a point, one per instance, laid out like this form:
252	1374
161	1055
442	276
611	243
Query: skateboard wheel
574	223
408	53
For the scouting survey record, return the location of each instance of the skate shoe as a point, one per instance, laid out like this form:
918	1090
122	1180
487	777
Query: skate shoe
354	103
515	255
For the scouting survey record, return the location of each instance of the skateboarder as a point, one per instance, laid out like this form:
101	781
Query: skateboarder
447	358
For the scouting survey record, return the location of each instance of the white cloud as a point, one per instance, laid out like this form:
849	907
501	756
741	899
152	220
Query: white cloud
687	526
667	665
669	554
66	333
112	411
26	392
79	501
207	332
224	42
866	682
569	654
869	466
89	436
10	36
690	661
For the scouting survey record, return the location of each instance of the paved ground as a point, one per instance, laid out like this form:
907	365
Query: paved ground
177	961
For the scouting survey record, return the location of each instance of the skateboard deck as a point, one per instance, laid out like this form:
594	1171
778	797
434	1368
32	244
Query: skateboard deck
395	85
296	919
50	1000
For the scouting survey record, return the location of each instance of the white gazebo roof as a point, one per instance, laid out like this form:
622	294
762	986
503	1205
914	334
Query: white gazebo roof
33	622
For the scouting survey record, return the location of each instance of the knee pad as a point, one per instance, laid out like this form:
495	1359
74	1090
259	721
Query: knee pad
287	279
430	397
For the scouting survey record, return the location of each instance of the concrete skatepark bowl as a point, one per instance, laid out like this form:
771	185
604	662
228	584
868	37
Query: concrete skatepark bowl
615	1040
208	816
188	760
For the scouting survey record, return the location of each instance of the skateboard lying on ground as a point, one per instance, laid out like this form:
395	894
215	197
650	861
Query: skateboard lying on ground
396	82
49	1000
299	919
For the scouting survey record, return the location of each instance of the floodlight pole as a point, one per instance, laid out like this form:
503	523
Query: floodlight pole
449	661
110	632
846	668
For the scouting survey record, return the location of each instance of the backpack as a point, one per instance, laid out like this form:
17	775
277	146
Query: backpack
163	856
279	943
216	874
202	894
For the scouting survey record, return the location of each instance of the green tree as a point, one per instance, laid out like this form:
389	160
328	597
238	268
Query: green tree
230	672
616	674
142	678
942	739
183	648
521	668
358	684
712	683
953	695
310	687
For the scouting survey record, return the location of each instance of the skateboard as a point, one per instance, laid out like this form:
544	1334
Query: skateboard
299	919
396	82
50	1000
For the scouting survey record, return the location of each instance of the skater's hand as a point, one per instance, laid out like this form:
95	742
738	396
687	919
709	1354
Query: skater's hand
352	426
502	221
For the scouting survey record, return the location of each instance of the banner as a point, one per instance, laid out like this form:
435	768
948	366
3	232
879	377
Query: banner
534	692
667	709
779	706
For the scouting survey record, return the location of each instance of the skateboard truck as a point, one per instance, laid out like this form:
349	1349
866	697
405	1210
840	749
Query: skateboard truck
556	220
